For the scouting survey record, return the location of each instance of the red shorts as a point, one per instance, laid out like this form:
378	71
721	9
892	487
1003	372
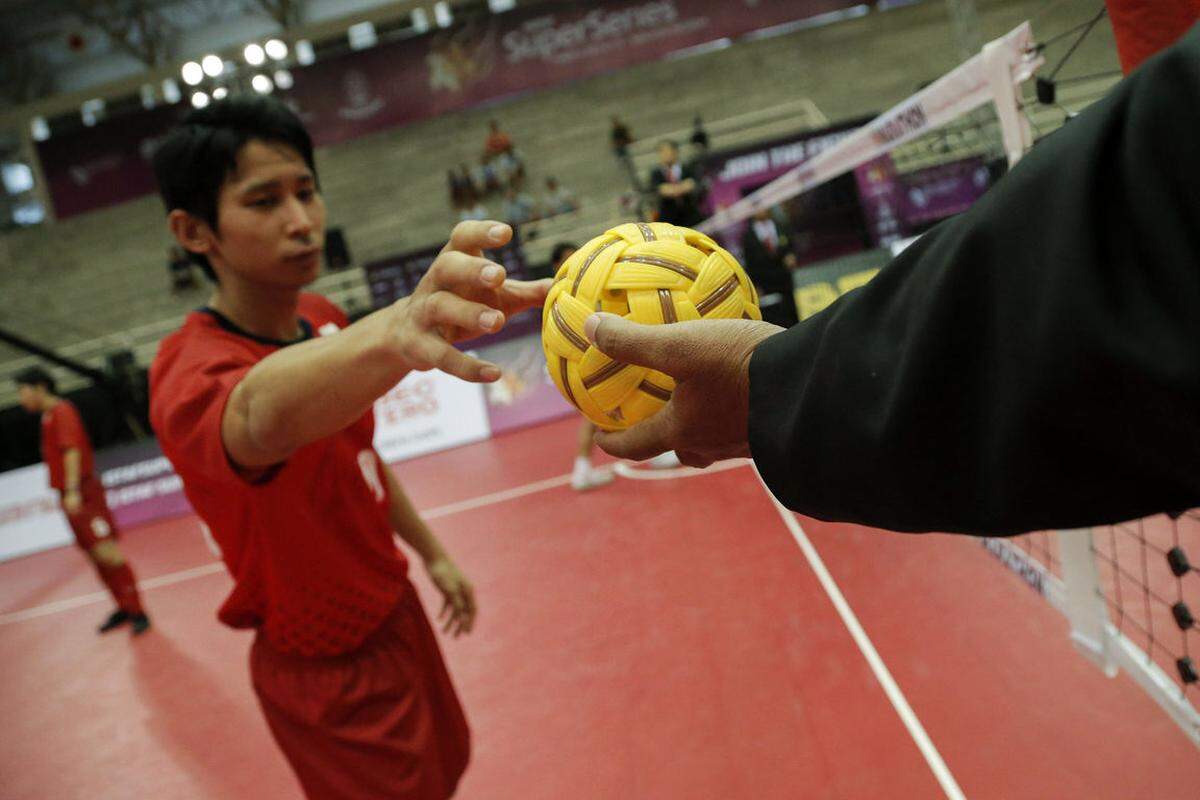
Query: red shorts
93	523
382	721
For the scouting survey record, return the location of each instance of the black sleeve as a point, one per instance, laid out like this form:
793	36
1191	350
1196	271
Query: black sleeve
1033	363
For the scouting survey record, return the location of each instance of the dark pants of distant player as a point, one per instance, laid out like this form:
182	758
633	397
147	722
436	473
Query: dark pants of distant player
382	722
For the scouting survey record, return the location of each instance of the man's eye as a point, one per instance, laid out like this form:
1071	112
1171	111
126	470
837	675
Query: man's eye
263	202
306	194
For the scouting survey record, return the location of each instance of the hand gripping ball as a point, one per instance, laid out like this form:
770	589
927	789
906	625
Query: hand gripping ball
652	273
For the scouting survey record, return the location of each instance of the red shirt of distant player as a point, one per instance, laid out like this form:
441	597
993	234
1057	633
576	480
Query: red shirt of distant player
62	430
310	546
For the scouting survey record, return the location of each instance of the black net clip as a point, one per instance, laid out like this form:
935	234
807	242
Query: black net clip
1183	616
1178	561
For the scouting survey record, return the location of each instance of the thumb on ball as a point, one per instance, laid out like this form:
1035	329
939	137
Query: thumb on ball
628	342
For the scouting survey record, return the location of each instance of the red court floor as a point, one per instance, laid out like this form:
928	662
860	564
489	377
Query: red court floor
653	639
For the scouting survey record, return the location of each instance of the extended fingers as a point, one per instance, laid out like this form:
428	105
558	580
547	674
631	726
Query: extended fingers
461	274
516	296
444	308
474	236
433	352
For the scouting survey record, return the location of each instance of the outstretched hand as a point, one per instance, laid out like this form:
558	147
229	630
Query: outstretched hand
461	296
706	419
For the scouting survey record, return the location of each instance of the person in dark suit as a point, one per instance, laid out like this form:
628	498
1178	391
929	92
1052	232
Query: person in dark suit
677	187
768	258
1030	364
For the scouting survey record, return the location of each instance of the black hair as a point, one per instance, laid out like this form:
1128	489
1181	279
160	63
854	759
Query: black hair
36	376
196	157
560	250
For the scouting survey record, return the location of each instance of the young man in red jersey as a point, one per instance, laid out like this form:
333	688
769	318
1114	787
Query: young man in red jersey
67	451
263	402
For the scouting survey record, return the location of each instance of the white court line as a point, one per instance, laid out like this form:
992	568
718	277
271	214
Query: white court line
96	597
627	470
495	497
217	566
882	674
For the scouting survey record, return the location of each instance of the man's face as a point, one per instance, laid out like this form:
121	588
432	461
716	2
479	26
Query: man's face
270	218
30	397
666	155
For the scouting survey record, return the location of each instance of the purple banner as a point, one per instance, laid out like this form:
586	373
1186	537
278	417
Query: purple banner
934	193
358	93
525	394
522	50
107	164
140	484
882	200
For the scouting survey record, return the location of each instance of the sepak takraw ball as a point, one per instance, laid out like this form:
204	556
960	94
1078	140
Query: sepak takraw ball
652	273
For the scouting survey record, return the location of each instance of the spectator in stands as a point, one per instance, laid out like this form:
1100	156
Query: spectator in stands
621	138
558	199
518	207
509	169
485	181
472	208
699	139
180	267
677	187
769	261
460	184
497	141
67	452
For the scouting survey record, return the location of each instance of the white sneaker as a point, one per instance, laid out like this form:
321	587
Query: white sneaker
592	479
667	460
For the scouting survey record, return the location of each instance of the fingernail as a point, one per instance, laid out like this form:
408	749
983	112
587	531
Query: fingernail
589	327
490	320
497	232
490	373
492	273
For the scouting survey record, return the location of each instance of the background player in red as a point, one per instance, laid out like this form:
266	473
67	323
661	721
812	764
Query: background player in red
263	402
67	451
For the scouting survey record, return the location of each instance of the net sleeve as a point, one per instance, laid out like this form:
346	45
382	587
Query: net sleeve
1025	365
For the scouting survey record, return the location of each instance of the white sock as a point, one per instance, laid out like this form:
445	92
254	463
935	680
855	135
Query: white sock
583	467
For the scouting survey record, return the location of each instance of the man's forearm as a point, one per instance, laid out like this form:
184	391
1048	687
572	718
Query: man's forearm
1025	365
305	392
407	523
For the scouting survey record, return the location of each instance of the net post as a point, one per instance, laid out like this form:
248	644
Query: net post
1083	599
1000	64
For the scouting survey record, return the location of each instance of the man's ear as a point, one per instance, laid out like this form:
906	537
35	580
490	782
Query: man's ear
193	234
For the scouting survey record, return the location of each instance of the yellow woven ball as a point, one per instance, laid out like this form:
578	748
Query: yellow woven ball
652	273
